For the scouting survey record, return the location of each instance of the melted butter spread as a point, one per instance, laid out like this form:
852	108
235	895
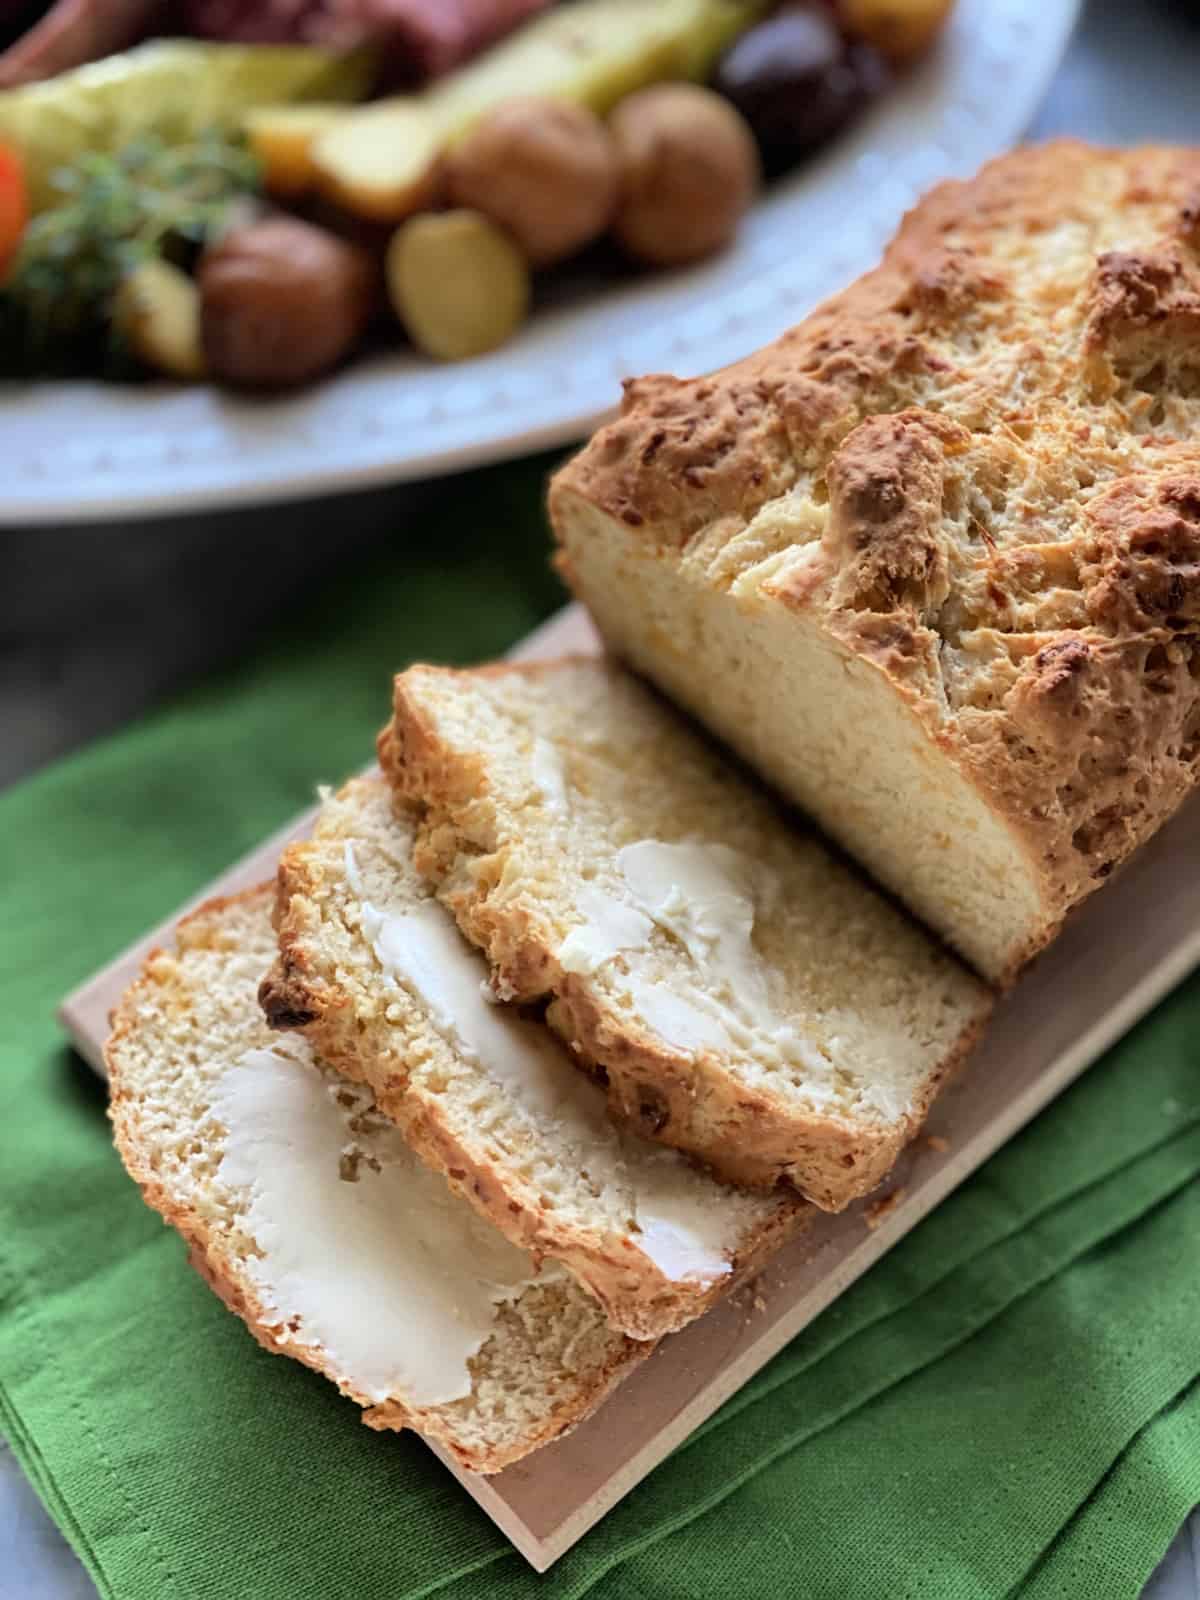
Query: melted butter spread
391	1275
549	774
703	896
608	925
700	893
685	1223
424	951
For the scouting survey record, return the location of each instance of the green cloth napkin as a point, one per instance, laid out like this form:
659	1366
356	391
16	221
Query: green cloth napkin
1008	1404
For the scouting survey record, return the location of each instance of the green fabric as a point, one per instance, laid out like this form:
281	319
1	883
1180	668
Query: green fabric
1008	1405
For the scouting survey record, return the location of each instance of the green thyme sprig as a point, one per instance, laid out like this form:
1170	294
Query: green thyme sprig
150	199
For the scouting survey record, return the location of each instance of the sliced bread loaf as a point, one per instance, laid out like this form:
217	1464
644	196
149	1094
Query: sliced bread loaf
385	987
311	1219
748	997
931	561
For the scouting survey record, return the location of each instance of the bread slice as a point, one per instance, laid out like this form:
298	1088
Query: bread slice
309	1217
383	984
749	998
931	561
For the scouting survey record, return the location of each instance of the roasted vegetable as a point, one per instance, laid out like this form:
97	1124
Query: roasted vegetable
688	170
157	309
282	302
458	284
544	169
172	89
148	202
380	161
595	52
14	208
798	82
281	139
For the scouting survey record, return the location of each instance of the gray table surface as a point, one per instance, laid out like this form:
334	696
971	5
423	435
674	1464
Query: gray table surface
146	608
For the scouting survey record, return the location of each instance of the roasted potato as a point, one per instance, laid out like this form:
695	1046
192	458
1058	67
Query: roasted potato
544	169
457	282
157	308
688	172
283	137
380	162
281	302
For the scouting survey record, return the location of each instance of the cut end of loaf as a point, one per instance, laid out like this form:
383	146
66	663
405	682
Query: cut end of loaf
931	561
828	726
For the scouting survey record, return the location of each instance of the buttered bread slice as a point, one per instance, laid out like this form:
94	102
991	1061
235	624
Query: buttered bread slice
375	972
312	1220
746	995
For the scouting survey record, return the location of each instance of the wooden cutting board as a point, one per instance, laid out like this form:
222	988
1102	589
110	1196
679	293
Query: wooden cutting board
1118	956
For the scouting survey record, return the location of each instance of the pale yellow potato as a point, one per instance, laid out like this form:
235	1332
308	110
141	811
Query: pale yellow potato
157	308
380	162
458	284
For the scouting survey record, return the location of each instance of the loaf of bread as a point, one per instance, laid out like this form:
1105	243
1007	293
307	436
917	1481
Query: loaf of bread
382	983
316	1225
747	997
931	562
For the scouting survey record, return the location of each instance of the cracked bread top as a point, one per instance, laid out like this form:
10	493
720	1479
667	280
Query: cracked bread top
978	468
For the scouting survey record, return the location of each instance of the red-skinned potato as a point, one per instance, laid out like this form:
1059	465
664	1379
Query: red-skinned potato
282	302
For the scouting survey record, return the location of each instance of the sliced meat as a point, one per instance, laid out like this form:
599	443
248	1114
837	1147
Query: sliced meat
432	36
74	32
423	38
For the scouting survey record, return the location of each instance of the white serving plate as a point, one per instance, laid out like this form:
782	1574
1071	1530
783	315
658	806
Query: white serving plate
89	451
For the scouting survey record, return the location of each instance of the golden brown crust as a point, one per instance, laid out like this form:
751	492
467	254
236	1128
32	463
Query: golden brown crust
1004	417
209	1252
688	1100
638	1298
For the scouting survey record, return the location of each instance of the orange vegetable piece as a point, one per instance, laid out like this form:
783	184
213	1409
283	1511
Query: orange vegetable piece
14	207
